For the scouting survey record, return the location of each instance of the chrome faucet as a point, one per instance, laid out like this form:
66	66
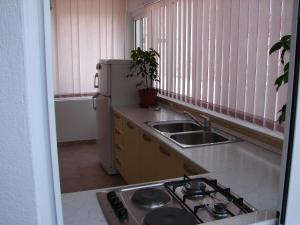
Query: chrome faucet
206	121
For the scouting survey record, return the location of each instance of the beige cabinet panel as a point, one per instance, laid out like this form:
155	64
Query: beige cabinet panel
139	157
169	164
131	153
149	149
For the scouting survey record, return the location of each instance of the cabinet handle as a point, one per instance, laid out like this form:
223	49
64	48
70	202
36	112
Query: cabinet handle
117	116
118	146
96	81
117	131
130	126
118	161
189	170
164	151
146	138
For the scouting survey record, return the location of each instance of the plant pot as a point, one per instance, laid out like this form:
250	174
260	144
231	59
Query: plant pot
148	97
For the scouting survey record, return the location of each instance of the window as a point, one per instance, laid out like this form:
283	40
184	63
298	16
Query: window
139	33
214	54
85	31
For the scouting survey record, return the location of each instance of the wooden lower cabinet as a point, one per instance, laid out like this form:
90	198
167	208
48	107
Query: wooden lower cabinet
169	164
139	157
148	160
131	156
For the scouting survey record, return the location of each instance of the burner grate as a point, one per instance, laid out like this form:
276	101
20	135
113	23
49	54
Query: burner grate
172	186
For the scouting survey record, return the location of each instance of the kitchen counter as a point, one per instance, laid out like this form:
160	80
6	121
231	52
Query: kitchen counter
82	208
249	170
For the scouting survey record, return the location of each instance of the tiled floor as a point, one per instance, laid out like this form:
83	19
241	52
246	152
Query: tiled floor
80	169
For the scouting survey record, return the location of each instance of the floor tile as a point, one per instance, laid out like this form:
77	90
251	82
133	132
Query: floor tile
80	169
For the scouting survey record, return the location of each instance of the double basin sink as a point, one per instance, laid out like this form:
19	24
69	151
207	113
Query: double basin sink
187	133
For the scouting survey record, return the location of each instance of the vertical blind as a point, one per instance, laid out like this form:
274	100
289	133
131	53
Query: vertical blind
214	54
84	31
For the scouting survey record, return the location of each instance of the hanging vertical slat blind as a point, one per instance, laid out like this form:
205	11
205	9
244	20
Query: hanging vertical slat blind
214	54
83	32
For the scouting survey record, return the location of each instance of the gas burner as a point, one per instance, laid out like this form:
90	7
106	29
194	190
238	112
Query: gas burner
219	210
169	216
194	189
150	197
187	201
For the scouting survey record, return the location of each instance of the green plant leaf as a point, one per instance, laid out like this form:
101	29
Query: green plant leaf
283	79
144	64
286	67
275	47
286	42
282	56
282	112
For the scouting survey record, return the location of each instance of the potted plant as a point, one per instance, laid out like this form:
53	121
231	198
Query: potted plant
282	45
144	66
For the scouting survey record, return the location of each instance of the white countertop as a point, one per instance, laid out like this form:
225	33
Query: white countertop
249	170
82	208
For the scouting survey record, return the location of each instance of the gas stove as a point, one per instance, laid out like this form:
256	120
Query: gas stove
187	201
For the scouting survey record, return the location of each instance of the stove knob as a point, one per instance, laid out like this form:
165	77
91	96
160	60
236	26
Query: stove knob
114	201
122	213
111	194
118	205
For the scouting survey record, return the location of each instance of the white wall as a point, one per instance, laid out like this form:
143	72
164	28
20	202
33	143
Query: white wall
75	119
28	194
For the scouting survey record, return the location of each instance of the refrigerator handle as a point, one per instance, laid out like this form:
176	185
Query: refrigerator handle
94	101
96	81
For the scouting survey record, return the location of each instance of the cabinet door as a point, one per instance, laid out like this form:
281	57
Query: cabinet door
131	153
149	153
170	164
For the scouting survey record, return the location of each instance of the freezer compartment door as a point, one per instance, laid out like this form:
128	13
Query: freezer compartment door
104	123
104	77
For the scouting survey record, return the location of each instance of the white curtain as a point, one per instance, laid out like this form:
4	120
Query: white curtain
83	32
214	54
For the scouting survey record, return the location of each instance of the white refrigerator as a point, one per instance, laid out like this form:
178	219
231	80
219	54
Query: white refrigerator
114	89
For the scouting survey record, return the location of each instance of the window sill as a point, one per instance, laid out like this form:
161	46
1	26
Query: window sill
274	138
73	96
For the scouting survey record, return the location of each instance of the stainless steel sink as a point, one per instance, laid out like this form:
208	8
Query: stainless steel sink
198	138
188	134
176	127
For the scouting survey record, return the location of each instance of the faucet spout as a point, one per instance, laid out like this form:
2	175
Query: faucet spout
206	121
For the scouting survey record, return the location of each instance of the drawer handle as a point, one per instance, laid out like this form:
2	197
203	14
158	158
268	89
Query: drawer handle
117	131
164	151
146	138
117	116
189	170
118	146
118	161
130	126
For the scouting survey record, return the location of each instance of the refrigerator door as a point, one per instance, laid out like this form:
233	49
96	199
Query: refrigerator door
104	77
104	121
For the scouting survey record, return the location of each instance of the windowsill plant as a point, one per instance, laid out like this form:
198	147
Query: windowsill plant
282	45
144	66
